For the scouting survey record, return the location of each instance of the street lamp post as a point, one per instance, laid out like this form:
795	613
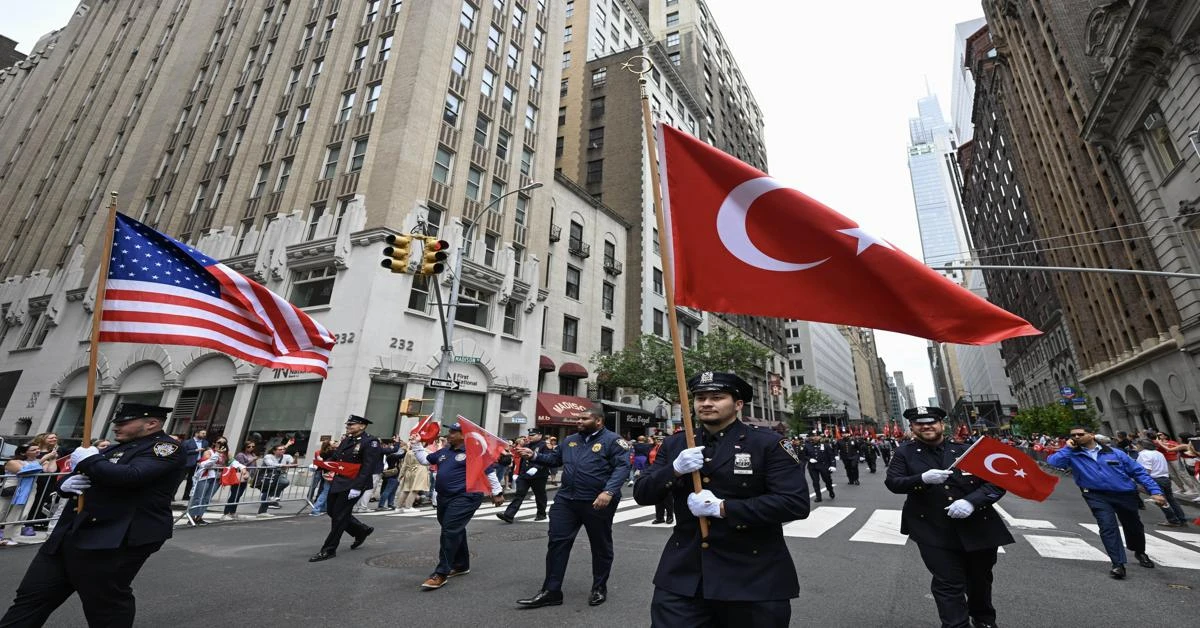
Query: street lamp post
450	309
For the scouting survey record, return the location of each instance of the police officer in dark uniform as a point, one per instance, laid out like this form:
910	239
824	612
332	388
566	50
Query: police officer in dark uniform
126	517
850	449
532	478
595	464
950	516
741	574
822	460
870	449
357	447
455	504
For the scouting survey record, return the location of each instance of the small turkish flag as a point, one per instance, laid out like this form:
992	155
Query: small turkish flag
426	430
1007	467
483	449
744	243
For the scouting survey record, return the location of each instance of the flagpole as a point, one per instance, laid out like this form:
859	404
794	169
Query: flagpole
668	270
964	454
89	403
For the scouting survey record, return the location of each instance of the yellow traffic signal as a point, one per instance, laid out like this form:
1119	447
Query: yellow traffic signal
398	255
411	405
434	256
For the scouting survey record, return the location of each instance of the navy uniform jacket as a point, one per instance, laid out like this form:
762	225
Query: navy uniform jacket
543	471
590	465
924	517
745	558
363	450
452	470
821	455
129	503
850	449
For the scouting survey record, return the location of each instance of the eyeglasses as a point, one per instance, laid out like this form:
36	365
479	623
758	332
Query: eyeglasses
1078	435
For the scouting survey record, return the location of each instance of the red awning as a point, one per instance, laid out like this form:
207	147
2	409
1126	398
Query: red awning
571	369
560	409
546	364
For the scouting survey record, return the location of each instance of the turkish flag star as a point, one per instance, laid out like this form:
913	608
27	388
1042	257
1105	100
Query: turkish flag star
865	240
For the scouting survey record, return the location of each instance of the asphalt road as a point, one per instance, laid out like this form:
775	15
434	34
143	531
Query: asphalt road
853	572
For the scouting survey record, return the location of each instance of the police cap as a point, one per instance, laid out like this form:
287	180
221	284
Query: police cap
131	411
716	381
454	427
925	414
354	418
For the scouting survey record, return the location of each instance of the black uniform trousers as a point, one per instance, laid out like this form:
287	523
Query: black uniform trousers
566	517
340	509
871	464
664	509
817	473
670	610
454	512
101	577
962	584
524	485
851	470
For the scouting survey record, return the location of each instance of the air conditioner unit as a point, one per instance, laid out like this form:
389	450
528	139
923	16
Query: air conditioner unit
628	399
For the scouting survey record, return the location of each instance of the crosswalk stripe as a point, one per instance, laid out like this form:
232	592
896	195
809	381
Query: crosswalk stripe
633	513
819	521
1033	524
1184	537
1067	547
819	490
1162	552
882	527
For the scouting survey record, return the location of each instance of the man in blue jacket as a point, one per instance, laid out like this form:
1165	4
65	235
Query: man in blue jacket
1108	478
595	464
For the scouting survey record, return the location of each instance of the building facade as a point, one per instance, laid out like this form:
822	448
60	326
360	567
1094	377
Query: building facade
820	356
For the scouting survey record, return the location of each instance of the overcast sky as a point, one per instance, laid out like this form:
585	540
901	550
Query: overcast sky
837	82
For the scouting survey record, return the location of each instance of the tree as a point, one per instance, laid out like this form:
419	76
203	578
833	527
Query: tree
807	401
1053	419
648	366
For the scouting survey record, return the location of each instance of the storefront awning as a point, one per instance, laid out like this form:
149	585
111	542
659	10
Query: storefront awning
571	369
626	408
560	409
546	364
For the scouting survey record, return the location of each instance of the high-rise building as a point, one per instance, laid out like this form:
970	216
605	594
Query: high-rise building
895	403
935	184
287	139
872	391
962	83
9	56
820	356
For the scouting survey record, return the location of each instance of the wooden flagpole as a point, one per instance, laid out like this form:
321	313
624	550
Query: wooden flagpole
110	226
668	271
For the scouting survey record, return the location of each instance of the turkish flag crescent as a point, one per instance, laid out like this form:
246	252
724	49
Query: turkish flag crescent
744	243
483	448
1007	467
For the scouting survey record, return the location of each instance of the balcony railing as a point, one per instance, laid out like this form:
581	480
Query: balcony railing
555	233
579	249
613	267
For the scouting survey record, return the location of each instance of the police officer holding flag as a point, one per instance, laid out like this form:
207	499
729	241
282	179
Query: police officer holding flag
356	455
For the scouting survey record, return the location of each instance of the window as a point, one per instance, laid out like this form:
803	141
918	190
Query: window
217	146
360	57
312	287
562	87
512	317
490	242
570	8
596	138
567	34
293	78
514	56
301	119
568	386
372	98
610	253
418	296
607	295
558	147
453	108
314	219
372	11
518	256
494	35
510	93
673	19
487	85
658	322
474	178
595	171
573	279
497	193
654	241
309	31
672	39
527	162
503	139
330	22
385	49
658	281
597	107
673	58
535	77
599	77
332	154
358	154
562	116
1161	146
347	107
520	210
478	315
575	235
518	17
285	171
570	335
531	117
443	162
606	341
482	127
260	182
688	335
462	59
35	331
315	72
467	19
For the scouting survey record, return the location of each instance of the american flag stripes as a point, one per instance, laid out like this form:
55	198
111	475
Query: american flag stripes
163	291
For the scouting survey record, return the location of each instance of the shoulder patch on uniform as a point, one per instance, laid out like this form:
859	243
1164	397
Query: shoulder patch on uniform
790	449
162	450
374	443
623	443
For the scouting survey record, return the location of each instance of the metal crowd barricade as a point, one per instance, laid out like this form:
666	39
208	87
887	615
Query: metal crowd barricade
30	520
265	489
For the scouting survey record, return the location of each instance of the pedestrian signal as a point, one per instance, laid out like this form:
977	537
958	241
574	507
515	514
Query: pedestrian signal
398	255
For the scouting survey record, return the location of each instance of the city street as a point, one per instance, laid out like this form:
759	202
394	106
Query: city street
855	570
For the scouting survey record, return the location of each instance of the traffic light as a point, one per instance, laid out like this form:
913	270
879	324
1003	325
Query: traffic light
411	405
398	254
434	256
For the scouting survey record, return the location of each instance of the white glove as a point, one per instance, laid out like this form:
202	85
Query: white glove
354	493
82	453
689	460
812	461
936	476
862	459
832	469
76	484
532	471
705	504
960	509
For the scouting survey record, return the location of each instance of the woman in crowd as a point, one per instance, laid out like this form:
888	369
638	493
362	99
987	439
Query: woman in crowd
44	493
641	454
273	478
20	475
391	474
208	471
323	479
242	463
552	443
414	480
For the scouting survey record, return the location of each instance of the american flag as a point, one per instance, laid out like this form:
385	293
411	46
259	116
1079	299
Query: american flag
163	291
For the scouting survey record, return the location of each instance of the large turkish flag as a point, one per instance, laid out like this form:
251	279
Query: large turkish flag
483	449
1007	467
743	243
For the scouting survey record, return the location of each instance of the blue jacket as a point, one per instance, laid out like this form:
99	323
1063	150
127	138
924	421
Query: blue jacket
590	465
1112	470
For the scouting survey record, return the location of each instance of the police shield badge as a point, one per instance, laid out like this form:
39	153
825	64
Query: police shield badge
162	450
596	448
742	464
790	449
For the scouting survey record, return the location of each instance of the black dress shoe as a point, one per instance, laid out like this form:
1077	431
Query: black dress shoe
540	518
359	540
321	555
505	517
670	520
817	498
597	597
831	495
979	623
656	521
1117	572
543	598
1144	560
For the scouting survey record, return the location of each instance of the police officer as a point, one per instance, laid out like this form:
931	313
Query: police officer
359	448
886	447
595	464
531	478
741	574
870	448
126	517
850	450
455	505
950	516
822	460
